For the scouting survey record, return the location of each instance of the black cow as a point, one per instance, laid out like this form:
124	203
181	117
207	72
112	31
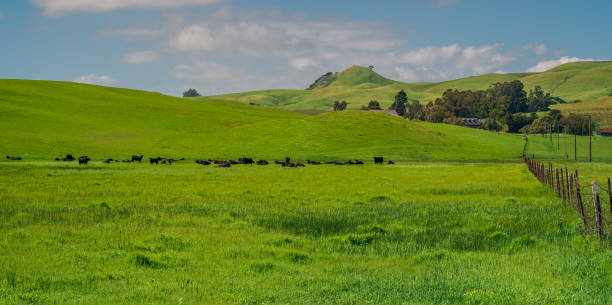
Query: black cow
202	162
107	161
246	161
277	162
137	158
287	159
233	162
155	160
300	165
262	162
358	162
287	164
224	165
83	160
390	162
378	160
13	158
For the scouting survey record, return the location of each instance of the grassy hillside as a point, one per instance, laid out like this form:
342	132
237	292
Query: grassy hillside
44	120
582	81
601	110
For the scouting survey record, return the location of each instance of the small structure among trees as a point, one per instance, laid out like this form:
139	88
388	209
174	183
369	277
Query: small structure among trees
473	122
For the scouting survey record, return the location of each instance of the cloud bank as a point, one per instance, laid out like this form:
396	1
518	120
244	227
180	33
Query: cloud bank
59	7
549	64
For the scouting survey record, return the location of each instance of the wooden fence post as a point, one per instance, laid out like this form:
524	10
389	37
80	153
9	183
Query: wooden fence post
567	181
610	194
558	184
563	185
600	229
571	186
579	201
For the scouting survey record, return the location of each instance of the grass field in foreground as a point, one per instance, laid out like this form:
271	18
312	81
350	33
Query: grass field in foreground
413	233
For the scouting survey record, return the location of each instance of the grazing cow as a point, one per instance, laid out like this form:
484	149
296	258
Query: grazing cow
277	162
107	161
137	158
358	162
233	162
262	162
13	158
202	162
288	164
83	160
349	162
155	160
300	165
246	161
287	159
67	158
390	162
224	165
378	160
315	163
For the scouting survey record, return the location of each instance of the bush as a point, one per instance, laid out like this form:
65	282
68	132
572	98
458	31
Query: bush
191	93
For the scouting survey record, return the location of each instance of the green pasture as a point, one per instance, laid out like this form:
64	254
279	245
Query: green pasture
45	120
411	233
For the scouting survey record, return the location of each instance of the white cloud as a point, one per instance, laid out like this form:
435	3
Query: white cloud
58	7
436	63
302	63
538	48
193	38
549	64
443	3
93	79
140	57
266	36
202	71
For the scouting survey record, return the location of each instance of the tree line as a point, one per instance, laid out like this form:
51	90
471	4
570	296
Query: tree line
503	106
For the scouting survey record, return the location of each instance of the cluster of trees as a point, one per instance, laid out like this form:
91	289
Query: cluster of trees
503	106
496	102
554	121
372	105
339	106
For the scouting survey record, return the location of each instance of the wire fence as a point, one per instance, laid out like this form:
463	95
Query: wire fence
582	197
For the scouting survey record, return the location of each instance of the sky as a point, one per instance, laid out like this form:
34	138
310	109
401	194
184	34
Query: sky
223	46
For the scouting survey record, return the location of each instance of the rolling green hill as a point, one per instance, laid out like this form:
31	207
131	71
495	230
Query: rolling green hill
44	119
584	81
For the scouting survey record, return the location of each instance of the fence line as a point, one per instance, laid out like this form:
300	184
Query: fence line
566	185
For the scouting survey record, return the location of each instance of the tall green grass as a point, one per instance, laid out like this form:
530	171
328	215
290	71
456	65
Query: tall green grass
413	233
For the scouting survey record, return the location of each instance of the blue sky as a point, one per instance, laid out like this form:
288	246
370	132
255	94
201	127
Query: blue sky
220	46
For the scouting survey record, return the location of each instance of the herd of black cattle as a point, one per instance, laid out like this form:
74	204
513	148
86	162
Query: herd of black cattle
83	160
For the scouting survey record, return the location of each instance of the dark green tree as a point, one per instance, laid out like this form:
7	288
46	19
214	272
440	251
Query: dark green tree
339	106
374	105
191	93
399	105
